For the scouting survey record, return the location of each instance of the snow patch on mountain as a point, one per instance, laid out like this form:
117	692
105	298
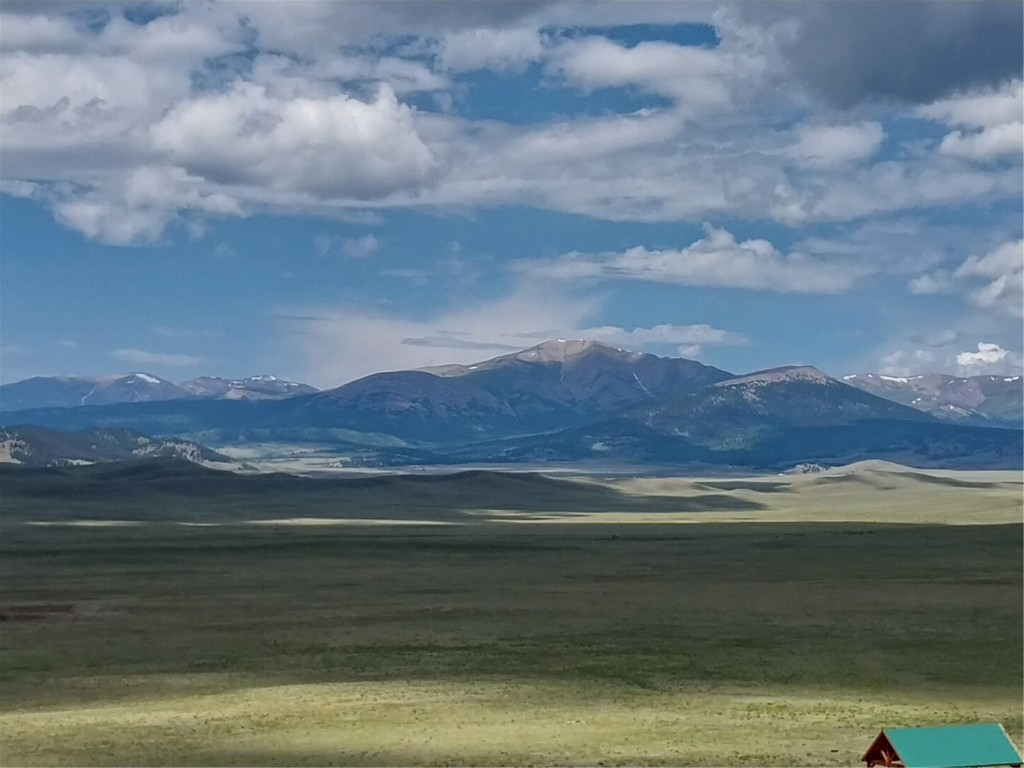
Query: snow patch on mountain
557	351
981	400
262	387
778	375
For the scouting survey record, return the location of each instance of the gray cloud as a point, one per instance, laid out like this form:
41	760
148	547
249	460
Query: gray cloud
361	247
851	52
173	332
143	357
303	27
449	342
453	14
117	138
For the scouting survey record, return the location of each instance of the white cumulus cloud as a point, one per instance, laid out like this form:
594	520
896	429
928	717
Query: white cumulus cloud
989	123
361	247
307	108
909	362
953	351
332	147
835	145
717	259
490	48
1002	270
696	77
939	281
138	207
989	358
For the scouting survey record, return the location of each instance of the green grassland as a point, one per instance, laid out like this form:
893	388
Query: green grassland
771	621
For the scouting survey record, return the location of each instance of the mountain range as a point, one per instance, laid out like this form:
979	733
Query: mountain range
571	401
979	400
75	391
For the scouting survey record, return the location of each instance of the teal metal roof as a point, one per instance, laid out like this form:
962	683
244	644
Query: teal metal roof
954	746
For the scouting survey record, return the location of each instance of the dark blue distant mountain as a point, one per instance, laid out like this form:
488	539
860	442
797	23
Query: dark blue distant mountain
985	401
573	400
78	391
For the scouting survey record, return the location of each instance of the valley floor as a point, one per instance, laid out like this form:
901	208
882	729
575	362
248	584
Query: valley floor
783	628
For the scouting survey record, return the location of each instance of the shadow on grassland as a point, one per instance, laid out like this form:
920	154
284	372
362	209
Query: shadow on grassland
890	480
149	490
570	617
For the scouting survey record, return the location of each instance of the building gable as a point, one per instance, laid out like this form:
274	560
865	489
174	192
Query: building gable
957	746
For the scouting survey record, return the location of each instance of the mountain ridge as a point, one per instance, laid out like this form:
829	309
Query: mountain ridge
568	400
79	391
978	400
35	446
261	387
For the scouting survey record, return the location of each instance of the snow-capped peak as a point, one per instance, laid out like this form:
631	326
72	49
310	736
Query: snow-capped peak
561	350
777	375
264	386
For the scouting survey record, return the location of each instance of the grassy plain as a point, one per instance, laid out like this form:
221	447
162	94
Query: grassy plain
772	621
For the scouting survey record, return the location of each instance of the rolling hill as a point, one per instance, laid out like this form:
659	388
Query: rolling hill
34	446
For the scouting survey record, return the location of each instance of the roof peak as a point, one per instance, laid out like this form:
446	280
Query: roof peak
952	746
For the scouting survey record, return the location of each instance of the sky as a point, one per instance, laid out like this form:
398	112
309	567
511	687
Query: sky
320	191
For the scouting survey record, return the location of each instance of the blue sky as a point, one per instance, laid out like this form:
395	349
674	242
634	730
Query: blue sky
324	190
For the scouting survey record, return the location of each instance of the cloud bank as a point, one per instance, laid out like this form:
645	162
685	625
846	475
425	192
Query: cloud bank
127	124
